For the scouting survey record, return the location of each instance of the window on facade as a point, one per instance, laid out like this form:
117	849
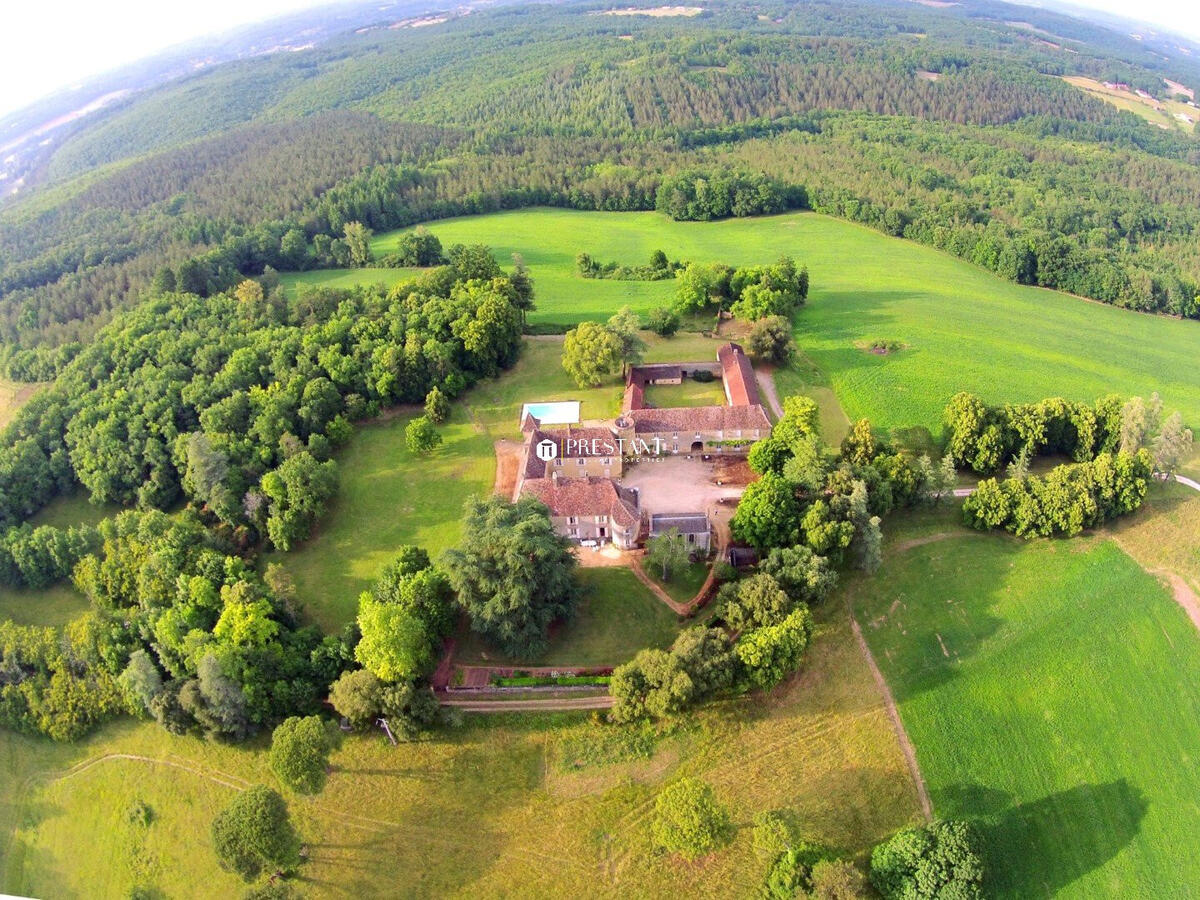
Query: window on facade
581	461
606	461
558	462
573	520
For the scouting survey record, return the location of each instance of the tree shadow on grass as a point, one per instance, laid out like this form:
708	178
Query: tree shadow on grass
1037	848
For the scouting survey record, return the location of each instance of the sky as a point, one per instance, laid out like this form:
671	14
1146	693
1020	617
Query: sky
47	45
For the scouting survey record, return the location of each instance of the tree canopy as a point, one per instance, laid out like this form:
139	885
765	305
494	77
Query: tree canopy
513	573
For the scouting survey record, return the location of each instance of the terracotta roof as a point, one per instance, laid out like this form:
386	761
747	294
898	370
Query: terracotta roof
570	442
740	386
529	423
585	497
635	397
700	418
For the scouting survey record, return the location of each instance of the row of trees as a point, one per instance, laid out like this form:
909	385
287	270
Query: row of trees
763	632
1064	502
939	860
830	502
986	437
658	269
38	557
749	292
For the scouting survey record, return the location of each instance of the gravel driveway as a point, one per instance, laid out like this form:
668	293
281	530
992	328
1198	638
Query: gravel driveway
677	484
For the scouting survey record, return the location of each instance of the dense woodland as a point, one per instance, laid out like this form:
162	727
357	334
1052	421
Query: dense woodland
818	106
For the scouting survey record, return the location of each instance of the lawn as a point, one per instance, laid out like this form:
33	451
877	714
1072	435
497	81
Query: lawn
618	616
387	497
1052	691
55	605
344	278
684	584
688	393
67	510
14	395
964	329
502	806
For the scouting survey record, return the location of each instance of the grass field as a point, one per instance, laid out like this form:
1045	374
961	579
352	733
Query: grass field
1052	691
14	395
387	497
618	616
964	328
687	393
55	605
73	509
509	806
684	584
1157	112
344	278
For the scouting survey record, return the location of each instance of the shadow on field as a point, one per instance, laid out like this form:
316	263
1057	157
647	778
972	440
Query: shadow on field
1037	848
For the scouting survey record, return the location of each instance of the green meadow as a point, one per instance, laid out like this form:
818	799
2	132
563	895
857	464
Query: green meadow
962	328
509	805
617	617
386	497
1052	690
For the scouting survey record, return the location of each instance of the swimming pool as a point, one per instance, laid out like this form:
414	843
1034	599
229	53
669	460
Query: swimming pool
563	412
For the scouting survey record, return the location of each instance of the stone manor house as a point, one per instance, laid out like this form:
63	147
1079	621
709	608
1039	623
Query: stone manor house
576	470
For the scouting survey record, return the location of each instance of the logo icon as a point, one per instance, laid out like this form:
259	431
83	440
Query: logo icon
546	450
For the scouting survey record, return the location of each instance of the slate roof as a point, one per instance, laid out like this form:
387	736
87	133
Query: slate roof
738	374
684	523
589	496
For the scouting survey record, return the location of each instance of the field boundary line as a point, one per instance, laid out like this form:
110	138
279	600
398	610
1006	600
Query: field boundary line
889	702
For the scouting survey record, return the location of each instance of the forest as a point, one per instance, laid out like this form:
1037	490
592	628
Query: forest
947	129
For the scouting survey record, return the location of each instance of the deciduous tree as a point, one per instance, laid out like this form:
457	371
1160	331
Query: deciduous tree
299	753
688	820
591	352
513	572
254	832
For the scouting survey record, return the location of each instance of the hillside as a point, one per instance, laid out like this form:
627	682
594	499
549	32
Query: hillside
558	105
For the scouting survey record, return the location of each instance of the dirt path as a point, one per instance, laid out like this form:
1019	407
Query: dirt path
932	539
635	565
889	702
766	381
602	701
1187	482
222	778
1184	595
508	461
